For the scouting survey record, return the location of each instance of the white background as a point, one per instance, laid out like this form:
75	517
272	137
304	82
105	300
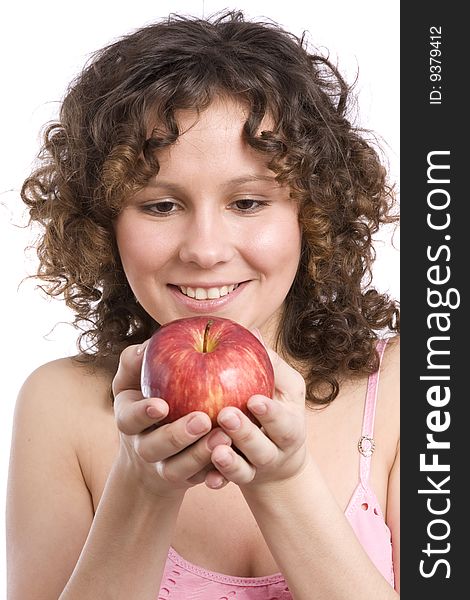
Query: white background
44	44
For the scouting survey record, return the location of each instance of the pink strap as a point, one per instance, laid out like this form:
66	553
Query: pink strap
366	443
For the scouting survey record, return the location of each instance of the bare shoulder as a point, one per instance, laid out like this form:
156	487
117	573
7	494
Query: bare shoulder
61	394
391	358
64	373
62	414
68	381
388	400
64	428
390	372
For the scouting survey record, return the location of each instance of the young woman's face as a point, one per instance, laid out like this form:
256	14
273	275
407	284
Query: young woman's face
212	233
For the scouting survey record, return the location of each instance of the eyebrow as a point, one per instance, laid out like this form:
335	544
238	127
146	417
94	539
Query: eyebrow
167	185
251	179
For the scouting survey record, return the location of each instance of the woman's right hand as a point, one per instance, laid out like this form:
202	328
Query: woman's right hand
170	458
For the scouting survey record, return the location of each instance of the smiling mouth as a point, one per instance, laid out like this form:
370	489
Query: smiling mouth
211	293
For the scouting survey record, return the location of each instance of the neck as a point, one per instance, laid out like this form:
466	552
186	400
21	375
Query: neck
269	331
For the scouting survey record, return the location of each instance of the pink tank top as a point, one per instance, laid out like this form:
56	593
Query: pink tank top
183	580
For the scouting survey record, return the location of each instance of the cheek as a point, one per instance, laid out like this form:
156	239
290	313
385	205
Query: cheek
277	247
139	248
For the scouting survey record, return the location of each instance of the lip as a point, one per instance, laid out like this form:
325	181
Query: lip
205	286
209	305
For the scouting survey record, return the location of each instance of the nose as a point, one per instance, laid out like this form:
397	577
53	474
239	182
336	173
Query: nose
207	241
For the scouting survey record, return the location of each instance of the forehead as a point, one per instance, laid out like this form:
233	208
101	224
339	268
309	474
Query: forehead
214	136
223	113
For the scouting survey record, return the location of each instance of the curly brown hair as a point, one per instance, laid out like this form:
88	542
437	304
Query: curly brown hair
100	151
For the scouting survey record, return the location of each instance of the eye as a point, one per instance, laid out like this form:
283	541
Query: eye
249	205
165	207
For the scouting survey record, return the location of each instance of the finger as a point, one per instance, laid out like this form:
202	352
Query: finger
210	476
195	461
289	383
215	480
135	414
248	437
283	425
171	438
232	466
128	373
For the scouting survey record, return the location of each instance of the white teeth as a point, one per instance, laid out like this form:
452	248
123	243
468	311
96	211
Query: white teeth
207	294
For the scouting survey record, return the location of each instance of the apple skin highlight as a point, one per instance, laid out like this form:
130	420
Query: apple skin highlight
205	363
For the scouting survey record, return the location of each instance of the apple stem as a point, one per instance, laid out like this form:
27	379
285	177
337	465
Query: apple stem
206	331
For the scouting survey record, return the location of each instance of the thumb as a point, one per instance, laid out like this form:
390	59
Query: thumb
127	376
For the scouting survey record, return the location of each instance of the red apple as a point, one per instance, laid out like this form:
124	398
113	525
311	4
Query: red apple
205	363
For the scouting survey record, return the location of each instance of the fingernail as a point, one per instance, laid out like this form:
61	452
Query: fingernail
230	420
196	425
219	484
160	468
153	412
141	347
217	438
259	407
225	460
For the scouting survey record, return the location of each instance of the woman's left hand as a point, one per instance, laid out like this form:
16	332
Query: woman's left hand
278	450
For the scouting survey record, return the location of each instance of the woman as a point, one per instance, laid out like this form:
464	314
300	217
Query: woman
208	167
